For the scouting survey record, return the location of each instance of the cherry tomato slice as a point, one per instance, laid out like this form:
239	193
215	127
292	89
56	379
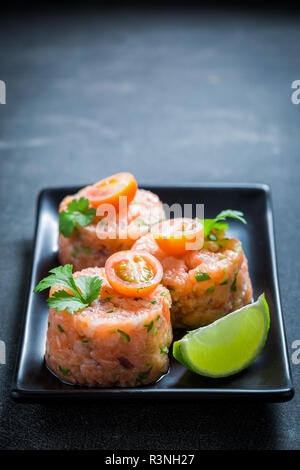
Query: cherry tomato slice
133	273
177	236
108	190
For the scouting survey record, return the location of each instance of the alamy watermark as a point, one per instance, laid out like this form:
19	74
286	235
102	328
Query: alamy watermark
295	97
296	353
2	352
114	223
2	92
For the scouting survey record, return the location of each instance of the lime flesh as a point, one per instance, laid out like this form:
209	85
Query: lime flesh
228	345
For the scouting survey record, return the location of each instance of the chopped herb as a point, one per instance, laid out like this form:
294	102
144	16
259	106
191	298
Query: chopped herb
200	277
140	221
238	248
148	326
125	337
210	289
223	283
233	285
86	250
63	370
155	331
85	289
164	293
78	214
164	350
154	302
212	237
157	318
48	324
144	374
85	341
60	328
110	311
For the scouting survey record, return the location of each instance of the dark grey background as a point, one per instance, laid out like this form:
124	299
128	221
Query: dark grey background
172	96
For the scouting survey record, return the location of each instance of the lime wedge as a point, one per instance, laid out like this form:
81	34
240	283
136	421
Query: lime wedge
228	345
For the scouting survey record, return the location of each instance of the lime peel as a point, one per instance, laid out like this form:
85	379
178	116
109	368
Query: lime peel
228	345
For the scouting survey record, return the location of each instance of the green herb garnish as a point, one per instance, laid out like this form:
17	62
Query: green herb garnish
217	224
153	302
233	285
63	370
143	375
124	336
200	277
85	289
78	214
148	326
212	237
140	221
164	350
86	250
60	328
210	289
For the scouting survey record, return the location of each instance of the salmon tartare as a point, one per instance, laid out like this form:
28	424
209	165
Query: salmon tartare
205	284
115	340
87	239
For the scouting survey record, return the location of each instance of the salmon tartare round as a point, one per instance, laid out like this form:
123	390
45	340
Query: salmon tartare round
115	341
91	244
204	284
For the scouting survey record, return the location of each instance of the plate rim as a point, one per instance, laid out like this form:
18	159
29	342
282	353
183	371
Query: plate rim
270	395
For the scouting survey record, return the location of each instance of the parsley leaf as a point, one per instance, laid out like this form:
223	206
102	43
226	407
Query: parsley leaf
218	224
84	289
231	213
78	214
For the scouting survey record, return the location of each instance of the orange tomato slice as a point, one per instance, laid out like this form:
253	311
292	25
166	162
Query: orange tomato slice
108	190
133	273
177	236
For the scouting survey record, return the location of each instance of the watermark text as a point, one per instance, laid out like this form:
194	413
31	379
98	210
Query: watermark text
2	92
295	97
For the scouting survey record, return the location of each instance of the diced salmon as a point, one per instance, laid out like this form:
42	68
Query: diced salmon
204	284
115	341
84	248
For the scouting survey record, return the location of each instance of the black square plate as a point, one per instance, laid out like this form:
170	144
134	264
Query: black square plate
268	378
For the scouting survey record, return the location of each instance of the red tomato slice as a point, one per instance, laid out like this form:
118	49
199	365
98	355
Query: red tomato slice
133	273
108	190
177	236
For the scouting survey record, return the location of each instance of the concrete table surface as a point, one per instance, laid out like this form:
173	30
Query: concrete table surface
180	96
